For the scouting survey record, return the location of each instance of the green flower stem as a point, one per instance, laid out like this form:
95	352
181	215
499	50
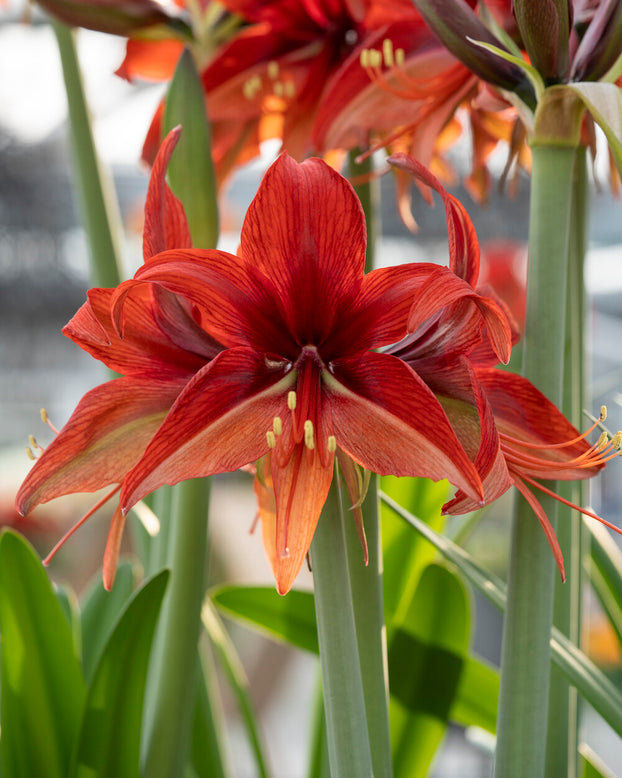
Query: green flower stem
525	661
368	603
368	191
97	199
173	670
562	745
344	700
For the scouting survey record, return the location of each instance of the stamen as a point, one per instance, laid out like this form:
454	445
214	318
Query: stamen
273	70
45	419
602	440
603	412
291	400
387	52
364	59
251	87
616	440
271	439
29	453
332	444
290	89
400	56
278	88
308	428
277	425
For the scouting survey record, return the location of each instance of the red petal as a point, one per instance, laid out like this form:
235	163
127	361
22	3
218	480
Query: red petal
104	438
145	349
166	226
113	544
463	245
443	288
218	423
300	490
305	229
388	420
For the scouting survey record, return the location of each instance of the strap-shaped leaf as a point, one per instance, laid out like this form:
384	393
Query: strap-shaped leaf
42	686
109	741
604	102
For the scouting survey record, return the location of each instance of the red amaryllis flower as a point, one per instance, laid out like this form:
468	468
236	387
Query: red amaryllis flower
298	376
523	438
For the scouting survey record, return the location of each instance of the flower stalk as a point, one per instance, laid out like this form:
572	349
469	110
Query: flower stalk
523	702
344	699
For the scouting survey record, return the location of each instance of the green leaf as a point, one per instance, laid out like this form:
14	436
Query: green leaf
68	602
604	102
100	611
207	752
592	764
109	742
606	573
426	656
42	686
191	170
475	704
290	618
405	554
590	682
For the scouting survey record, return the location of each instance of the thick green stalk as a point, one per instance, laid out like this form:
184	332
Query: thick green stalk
96	197
368	191
344	699
173	669
368	603
562	744
525	661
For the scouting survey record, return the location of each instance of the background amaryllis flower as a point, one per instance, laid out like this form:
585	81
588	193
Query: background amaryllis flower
272	352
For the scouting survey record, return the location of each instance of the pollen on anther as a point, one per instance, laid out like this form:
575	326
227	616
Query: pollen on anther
44	415
277	425
364	58
332	444
616	440
273	70
399	57
308	430
29	453
387	52
291	400
603	412
271	439
602	440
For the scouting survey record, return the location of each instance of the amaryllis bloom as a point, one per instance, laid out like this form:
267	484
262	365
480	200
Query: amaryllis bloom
228	359
523	437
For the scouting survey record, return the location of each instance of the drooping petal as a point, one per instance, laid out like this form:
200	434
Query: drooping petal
306	230
463	244
145	350
166	226
523	412
443	288
218	423
105	437
113	545
389	421
300	490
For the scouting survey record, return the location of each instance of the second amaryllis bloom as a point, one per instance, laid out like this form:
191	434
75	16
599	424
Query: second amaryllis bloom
227	359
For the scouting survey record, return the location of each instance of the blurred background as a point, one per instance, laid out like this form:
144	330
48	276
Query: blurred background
44	274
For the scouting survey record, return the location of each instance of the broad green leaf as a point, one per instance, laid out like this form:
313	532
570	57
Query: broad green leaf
475	704
580	671
71	608
426	656
236	677
405	555
604	102
42	685
100	611
290	618
109	742
606	573
191	170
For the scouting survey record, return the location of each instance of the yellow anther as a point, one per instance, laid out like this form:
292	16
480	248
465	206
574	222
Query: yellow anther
290	89
271	439
32	441
291	400
616	440
364	58
44	416
603	440
387	52
278	88
30	454
332	444
273	70
277	425
375	58
308	429
251	87
399	57
603	412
